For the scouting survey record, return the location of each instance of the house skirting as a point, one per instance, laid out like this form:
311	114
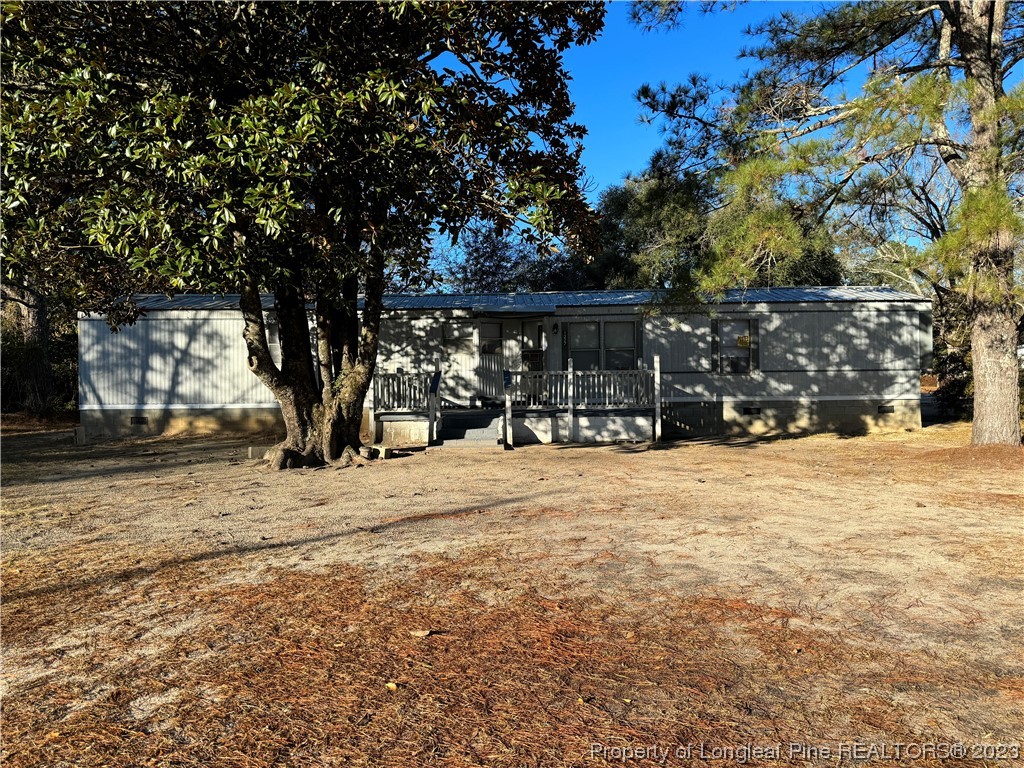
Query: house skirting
680	419
555	426
781	417
112	422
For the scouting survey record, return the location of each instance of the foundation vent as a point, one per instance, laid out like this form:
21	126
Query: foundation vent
748	411
887	409
139	421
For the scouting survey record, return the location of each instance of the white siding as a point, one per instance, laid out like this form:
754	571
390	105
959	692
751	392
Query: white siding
684	342
856	339
176	359
408	341
842	351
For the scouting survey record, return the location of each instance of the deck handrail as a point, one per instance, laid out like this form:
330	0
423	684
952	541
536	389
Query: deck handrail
614	389
590	389
398	392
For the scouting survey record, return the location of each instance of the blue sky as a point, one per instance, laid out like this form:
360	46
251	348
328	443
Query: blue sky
607	73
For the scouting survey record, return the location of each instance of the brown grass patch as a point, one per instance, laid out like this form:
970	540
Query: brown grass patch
466	662
975	457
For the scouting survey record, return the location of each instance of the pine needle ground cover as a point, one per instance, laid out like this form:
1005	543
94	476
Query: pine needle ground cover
168	603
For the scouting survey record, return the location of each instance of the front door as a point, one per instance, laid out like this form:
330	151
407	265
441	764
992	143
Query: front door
490	385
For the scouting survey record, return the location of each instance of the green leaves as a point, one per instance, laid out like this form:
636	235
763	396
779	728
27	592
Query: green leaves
985	223
306	135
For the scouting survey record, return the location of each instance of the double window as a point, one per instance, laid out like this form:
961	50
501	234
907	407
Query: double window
609	345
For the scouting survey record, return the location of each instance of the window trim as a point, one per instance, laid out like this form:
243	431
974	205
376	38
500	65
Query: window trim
753	350
601	349
499	339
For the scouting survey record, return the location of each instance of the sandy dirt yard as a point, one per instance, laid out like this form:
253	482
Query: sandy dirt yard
814	601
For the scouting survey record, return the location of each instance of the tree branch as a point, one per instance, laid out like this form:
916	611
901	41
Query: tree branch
260	360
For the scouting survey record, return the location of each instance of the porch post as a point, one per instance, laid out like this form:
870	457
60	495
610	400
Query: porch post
657	398
433	405
431	416
572	404
508	417
372	393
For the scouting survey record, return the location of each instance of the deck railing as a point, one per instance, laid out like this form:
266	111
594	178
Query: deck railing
614	389
539	389
408	393
397	392
607	391
584	389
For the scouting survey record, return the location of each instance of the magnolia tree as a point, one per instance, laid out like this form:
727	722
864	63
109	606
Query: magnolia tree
311	151
795	139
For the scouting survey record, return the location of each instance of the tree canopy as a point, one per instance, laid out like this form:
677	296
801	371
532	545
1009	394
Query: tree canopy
306	149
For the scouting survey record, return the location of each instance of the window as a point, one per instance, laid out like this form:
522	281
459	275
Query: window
610	345
620	346
458	339
490	338
585	346
736	343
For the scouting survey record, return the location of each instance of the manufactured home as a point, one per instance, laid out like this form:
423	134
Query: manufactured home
578	366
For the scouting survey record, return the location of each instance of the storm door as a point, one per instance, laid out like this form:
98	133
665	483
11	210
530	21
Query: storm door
492	362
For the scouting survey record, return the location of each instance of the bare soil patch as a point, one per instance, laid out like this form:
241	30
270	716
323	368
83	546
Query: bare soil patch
169	602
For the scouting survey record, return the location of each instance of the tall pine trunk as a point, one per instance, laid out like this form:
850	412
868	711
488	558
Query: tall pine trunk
977	29
996	378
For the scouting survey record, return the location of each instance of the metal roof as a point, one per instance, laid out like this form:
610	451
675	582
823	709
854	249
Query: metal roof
541	302
818	293
547	302
158	302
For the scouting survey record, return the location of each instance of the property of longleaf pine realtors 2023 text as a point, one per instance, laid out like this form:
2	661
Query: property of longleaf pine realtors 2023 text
739	754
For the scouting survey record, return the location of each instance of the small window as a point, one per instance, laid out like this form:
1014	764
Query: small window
490	338
737	346
458	339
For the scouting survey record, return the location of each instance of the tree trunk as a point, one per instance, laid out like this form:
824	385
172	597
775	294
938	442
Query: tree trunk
996	378
292	383
350	404
323	421
302	446
977	29
356	337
